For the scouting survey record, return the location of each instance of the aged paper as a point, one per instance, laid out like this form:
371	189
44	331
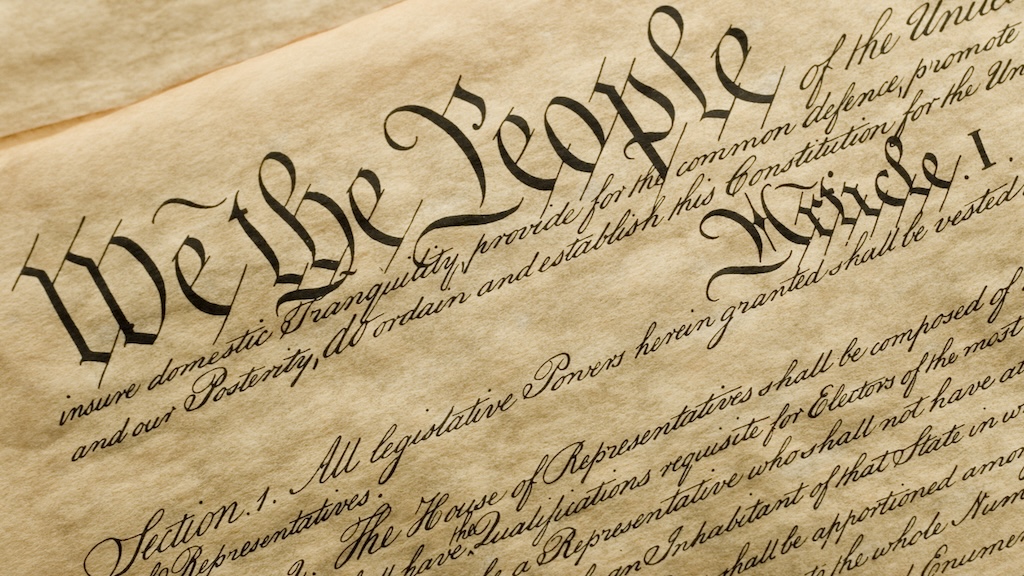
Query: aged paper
66	60
486	288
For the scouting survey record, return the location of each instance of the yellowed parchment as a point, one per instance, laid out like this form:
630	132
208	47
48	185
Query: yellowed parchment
485	288
62	61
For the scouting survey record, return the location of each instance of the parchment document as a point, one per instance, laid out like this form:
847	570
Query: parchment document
504	288
66	60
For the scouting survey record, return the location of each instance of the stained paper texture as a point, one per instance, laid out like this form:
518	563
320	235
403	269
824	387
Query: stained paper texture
486	288
70	59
